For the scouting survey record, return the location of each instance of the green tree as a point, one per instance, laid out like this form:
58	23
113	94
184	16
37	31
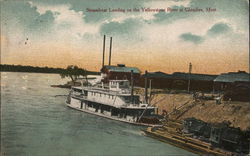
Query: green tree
73	72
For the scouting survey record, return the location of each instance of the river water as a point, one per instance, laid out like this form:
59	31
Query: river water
36	122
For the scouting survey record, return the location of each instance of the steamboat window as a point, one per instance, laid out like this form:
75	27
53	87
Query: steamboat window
127	99
77	90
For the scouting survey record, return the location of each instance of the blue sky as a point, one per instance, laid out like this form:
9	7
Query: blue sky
59	33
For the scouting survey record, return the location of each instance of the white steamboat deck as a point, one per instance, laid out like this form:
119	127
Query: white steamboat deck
113	118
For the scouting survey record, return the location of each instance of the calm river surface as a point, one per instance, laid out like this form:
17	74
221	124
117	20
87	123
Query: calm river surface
36	122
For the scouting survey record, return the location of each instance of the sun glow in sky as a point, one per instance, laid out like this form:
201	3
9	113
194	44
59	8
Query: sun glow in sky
59	33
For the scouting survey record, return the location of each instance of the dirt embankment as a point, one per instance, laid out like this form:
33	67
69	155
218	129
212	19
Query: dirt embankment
169	102
236	113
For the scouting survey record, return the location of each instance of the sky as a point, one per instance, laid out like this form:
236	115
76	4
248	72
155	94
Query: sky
166	37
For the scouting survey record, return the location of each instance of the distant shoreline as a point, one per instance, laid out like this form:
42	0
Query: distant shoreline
27	72
32	69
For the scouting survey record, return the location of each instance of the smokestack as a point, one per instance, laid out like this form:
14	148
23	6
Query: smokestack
103	56
110	48
146	86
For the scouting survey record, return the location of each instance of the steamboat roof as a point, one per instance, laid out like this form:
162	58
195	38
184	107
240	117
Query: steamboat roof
122	68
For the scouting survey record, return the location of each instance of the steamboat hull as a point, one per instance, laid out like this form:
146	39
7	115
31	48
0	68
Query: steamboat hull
84	106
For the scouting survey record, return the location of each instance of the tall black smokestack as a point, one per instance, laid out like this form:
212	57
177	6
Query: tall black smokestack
110	49
103	56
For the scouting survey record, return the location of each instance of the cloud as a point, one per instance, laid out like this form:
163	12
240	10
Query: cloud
196	39
219	28
215	30
128	26
26	17
43	22
131	25
125	32
68	24
162	16
169	17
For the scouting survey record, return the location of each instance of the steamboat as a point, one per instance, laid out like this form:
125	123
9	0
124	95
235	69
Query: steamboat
114	101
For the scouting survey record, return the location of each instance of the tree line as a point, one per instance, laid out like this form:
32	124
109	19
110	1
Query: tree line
71	71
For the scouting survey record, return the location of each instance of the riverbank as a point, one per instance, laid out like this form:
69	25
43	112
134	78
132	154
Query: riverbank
32	69
180	106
